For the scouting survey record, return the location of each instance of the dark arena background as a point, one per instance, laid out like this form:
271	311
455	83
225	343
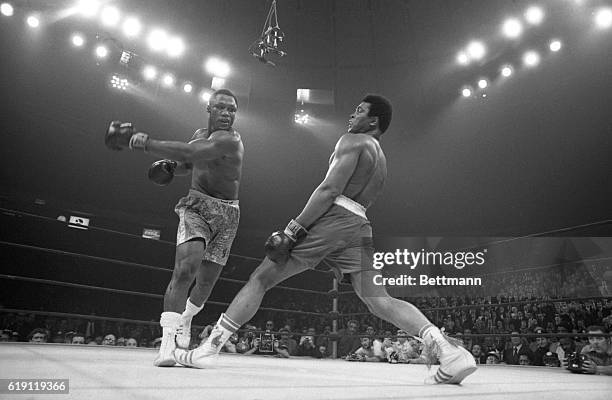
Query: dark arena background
500	146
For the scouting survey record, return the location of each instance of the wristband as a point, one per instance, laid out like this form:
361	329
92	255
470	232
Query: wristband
138	141
295	231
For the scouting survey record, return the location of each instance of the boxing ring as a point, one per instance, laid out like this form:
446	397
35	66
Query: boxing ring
127	373
104	372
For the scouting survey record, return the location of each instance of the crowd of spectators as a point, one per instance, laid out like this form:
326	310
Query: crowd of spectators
493	329
22	327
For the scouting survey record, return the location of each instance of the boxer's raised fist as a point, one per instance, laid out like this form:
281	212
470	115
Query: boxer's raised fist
121	135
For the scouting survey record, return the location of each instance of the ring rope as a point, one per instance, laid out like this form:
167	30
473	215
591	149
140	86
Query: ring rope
96	228
133	264
470	306
129	292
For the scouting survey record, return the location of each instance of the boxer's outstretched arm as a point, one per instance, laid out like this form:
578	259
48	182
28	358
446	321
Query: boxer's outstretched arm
194	151
338	175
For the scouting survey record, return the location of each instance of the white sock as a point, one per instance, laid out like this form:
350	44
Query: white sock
169	321
431	334
190	311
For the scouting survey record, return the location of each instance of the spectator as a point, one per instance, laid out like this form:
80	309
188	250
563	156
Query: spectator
325	340
321	352
598	352
565	348
287	341
276	349
348	344
120	341
38	335
511	354
245	343
370	351
307	344
492	357
131	342
479	357
543	347
524	359
5	336
78	338
405	350
109	340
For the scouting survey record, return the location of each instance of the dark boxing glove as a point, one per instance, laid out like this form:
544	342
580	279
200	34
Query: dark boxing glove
279	244
121	135
162	172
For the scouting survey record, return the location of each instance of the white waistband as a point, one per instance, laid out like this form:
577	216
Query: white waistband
195	192
351	205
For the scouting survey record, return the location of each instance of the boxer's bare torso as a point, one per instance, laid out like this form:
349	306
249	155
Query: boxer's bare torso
368	178
219	177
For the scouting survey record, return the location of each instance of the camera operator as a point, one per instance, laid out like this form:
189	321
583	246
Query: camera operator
262	347
307	344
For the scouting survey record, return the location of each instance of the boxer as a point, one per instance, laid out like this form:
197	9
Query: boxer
333	226
208	215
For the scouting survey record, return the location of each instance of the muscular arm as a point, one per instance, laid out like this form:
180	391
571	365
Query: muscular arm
340	171
214	147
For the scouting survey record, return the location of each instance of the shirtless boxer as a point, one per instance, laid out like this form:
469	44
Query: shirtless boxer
208	215
333	226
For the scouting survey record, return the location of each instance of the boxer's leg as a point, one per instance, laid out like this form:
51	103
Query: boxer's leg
243	308
266	276
455	362
186	264
205	279
187	261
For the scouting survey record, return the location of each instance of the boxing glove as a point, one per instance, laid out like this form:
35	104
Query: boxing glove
280	243
162	172
121	135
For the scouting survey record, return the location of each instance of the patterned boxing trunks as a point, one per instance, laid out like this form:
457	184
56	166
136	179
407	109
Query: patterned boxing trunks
209	218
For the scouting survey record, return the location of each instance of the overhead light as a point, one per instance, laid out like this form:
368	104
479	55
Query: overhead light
506	71
534	15
531	58
555	45
33	21
77	40
187	87
217	67
157	40
476	50
603	18
175	47
512	28
466	92
6	9
301	117
118	82
110	16
483	83
149	72
205	96
462	58
168	80
88	8
217	83
101	51
131	27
